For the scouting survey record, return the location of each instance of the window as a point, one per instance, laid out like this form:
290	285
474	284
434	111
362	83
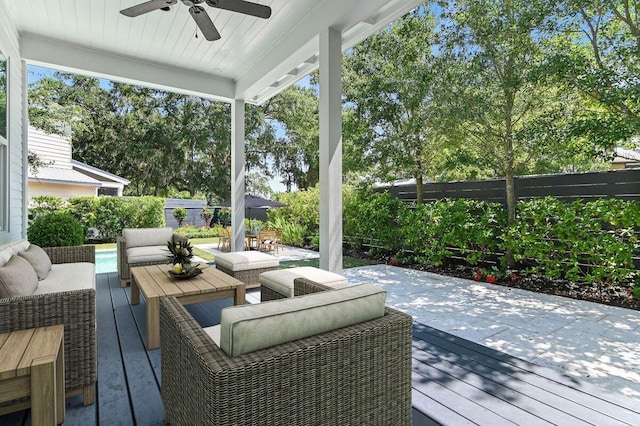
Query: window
4	148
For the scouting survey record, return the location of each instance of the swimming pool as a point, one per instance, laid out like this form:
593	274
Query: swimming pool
106	261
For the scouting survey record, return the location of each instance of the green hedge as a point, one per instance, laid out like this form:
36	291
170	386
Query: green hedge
106	214
592	241
110	214
583	241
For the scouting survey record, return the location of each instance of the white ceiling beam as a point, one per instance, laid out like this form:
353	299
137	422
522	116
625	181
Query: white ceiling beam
300	44
100	64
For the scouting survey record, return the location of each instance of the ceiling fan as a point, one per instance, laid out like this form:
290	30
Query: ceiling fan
199	14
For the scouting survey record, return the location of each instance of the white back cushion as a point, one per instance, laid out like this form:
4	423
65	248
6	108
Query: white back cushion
248	328
140	237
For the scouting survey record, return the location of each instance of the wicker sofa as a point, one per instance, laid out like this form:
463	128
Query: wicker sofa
355	375
75	308
143	247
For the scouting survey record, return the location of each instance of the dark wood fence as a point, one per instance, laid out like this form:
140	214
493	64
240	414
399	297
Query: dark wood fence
623	184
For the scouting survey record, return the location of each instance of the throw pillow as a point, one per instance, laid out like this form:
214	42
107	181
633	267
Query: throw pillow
17	278
39	259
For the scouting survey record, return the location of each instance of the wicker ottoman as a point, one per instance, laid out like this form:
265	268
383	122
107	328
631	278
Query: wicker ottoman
246	265
279	284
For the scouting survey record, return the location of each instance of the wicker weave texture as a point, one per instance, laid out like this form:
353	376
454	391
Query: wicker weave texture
124	270
301	286
357	375
249	276
267	294
72	254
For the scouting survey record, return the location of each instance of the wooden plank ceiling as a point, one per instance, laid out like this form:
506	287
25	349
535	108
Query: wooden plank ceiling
255	58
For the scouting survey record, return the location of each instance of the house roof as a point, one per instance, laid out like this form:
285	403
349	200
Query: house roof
62	176
101	174
254	60
624	155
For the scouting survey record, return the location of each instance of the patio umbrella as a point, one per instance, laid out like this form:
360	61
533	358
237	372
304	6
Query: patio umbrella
253	202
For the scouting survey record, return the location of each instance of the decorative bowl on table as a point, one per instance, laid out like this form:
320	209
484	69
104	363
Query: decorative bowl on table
185	272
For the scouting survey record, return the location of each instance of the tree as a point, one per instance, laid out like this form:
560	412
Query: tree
393	92
295	151
162	142
499	48
598	57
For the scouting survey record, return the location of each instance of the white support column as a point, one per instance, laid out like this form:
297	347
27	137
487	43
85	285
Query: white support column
331	150
237	174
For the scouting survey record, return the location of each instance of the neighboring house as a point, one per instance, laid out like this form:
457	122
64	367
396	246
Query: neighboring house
626	158
63	177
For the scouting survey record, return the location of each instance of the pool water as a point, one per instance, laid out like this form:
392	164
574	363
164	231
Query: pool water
106	261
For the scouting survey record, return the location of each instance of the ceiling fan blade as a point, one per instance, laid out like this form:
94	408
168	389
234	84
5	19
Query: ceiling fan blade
149	6
242	6
204	23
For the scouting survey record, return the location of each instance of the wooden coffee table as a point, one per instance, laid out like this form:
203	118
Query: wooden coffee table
155	283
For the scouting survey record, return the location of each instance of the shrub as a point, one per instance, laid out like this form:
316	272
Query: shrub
224	216
44	204
56	229
582	241
190	231
206	214
374	219
292	233
302	208
108	215
180	214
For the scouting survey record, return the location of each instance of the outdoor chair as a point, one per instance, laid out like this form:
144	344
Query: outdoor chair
267	240
224	238
143	247
359	374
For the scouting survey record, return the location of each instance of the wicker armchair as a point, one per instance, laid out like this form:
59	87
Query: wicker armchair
75	309
124	270
356	375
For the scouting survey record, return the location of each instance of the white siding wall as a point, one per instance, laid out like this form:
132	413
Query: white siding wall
10	48
50	148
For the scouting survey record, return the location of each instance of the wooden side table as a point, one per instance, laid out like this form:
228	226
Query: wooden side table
32	365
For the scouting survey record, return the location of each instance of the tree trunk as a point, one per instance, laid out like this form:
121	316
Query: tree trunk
509	172
419	178
419	189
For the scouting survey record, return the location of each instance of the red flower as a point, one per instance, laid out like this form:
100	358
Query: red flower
491	279
394	261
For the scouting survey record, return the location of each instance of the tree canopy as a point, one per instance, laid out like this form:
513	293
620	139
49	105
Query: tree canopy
456	89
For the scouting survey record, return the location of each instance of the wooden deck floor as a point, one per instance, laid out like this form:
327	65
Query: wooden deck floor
455	382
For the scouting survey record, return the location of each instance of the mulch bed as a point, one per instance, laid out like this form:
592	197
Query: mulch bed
600	293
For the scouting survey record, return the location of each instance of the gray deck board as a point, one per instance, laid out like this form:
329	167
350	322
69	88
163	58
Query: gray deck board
495	381
455	381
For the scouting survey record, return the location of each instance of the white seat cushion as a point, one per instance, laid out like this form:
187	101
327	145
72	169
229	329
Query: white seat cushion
214	333
145	254
68	277
246	260
281	281
248	328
